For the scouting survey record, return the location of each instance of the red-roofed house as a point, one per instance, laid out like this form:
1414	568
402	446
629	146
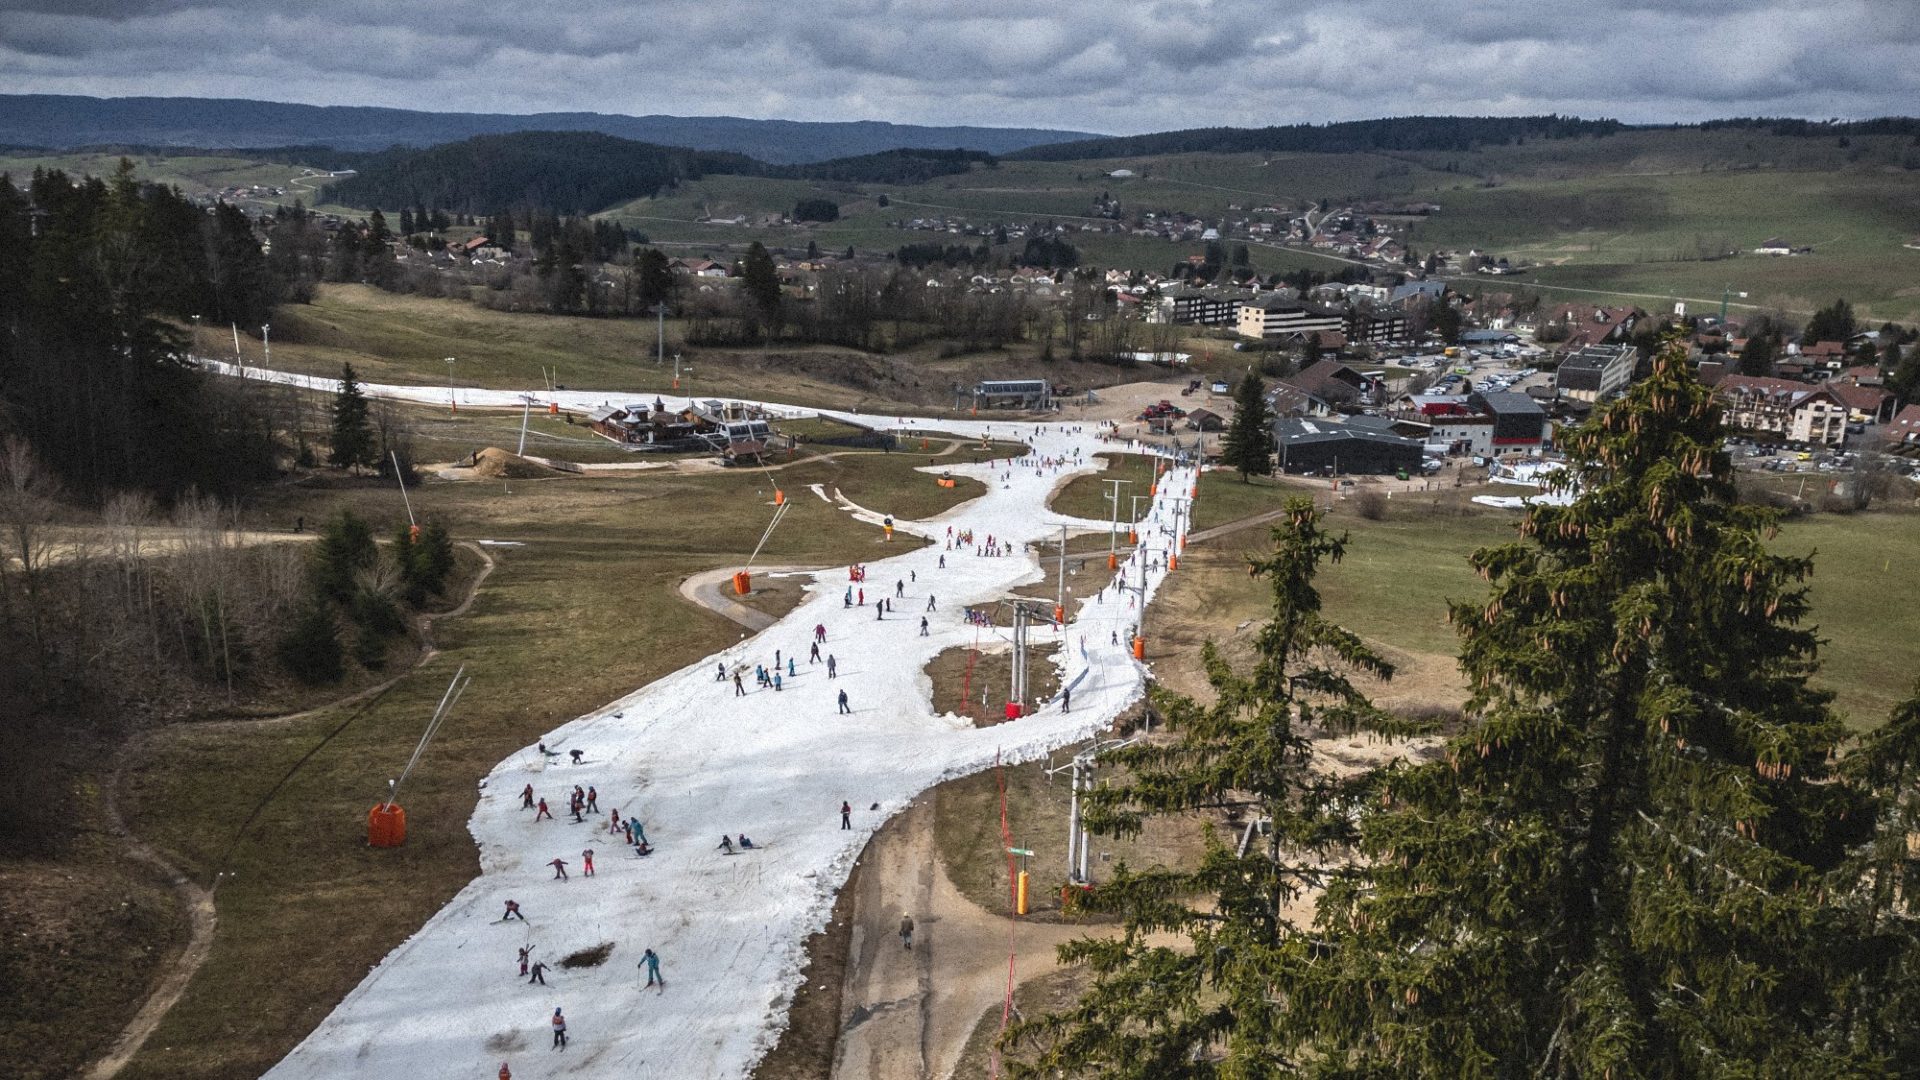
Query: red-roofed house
1589	325
1784	409
1904	429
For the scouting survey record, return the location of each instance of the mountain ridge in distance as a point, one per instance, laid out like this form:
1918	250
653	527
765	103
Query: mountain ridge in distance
65	121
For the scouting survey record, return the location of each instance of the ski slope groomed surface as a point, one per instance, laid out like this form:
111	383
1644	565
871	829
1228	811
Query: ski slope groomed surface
690	759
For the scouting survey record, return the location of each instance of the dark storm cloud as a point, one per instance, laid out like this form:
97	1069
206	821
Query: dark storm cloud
1094	64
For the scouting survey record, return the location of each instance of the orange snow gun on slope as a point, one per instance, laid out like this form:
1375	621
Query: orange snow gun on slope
387	821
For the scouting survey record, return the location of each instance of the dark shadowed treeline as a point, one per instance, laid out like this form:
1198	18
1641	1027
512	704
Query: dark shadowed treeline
91	373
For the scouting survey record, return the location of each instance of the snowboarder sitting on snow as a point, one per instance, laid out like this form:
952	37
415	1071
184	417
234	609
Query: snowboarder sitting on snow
544	752
726	843
745	844
642	849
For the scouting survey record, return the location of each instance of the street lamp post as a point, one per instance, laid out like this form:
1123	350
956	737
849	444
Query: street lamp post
453	405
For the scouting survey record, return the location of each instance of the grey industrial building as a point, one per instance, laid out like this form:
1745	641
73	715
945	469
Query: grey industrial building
1322	446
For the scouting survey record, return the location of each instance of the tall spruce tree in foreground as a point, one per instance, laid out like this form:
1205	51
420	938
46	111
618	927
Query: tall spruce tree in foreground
1638	859
1248	445
353	442
1208	1008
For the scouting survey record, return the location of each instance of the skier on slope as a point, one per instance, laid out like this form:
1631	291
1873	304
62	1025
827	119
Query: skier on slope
651	962
559	1030
559	870
843	704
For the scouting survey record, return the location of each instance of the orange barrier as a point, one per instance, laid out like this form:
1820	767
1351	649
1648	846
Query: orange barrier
1152	490
553	408
386	825
779	497
1173	562
1020	895
1139	648
1060	614
947	482
1133	537
1113	561
742	583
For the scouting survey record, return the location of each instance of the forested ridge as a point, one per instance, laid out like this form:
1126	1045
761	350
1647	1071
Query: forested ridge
565	172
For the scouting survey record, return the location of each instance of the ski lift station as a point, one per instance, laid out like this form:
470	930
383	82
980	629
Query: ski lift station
1013	393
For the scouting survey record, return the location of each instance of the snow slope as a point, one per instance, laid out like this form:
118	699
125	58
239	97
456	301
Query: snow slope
692	761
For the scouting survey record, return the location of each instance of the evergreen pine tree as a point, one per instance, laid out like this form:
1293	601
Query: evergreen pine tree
345	548
353	441
406	221
310	648
1248	445
760	280
1621	866
1208	1007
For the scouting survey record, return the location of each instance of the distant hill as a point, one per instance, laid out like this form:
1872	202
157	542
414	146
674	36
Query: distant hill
568	172
1425	133
63	122
1358	136
580	172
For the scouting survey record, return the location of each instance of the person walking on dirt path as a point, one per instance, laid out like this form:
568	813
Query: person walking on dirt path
559	870
738	689
833	670
543	812
843	704
513	912
526	797
651	962
906	931
559	1030
846	814
537	974
588	856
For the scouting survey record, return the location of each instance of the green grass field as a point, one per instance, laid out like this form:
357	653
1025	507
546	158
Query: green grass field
1401	572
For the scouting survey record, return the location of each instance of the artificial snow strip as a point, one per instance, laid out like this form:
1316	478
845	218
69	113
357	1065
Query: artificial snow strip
690	760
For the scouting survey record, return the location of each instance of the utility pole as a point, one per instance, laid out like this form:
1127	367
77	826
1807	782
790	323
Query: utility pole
1060	603
453	406
1079	843
660	328
526	407
1134	526
1017	692
266	345
239	358
1113	530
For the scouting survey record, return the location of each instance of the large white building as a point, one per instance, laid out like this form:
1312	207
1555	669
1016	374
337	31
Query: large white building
1272	317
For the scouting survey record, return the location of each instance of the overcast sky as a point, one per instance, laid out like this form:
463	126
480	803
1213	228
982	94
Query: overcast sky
1118	66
